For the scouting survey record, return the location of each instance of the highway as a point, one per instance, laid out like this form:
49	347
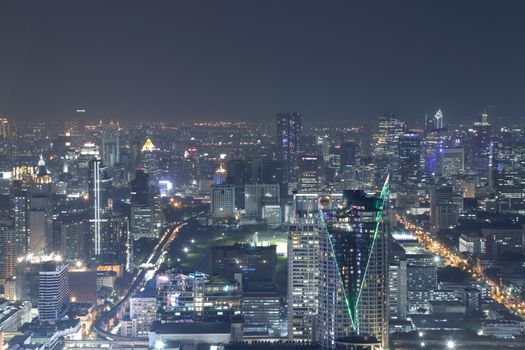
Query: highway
499	292
103	322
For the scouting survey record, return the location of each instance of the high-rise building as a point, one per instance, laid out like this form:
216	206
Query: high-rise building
353	269
110	145
4	128
443	207
303	278
223	201
140	187
435	122
73	239
20	217
259	195
453	162
288	140
480	146
304	262
99	187
421	274
397	282
409	171
40	224
7	252
348	159
261	309
386	139
309	174
53	291
142	314
508	175
141	223
150	160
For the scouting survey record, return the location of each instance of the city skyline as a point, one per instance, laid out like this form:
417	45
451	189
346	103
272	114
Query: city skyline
248	175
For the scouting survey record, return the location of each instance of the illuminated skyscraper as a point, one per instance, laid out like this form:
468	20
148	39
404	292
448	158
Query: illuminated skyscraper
508	175
4	128
353	270
288	141
409	163
435	122
20	217
303	264
53	291
386	138
481	146
7	252
99	184
309	174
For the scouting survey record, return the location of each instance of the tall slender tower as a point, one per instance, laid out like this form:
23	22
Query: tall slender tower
353	270
98	194
303	268
288	140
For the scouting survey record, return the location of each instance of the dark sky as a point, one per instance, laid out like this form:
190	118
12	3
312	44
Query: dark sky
331	60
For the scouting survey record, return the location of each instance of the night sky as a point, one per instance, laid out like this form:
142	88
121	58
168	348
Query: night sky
330	60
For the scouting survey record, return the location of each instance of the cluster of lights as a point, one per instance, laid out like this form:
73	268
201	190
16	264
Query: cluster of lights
500	293
40	258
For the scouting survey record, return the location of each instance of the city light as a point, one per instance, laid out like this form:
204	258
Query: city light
183	188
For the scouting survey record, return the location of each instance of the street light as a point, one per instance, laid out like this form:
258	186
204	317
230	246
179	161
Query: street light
451	344
159	344
186	249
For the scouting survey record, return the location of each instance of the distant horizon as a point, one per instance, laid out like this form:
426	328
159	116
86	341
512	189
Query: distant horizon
232	59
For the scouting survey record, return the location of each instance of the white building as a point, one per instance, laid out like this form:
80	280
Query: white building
53	291
142	314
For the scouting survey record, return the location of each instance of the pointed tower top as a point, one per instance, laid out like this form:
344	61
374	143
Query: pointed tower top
148	146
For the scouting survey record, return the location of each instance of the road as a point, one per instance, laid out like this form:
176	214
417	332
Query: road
499	292
103	322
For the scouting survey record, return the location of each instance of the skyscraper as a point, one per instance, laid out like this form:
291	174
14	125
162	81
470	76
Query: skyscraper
508	175
353	270
4	128
435	122
481	145
303	267
409	161
99	184
443	207
386	138
20	217
309	174
7	252
53	291
303	276
288	140
40	224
